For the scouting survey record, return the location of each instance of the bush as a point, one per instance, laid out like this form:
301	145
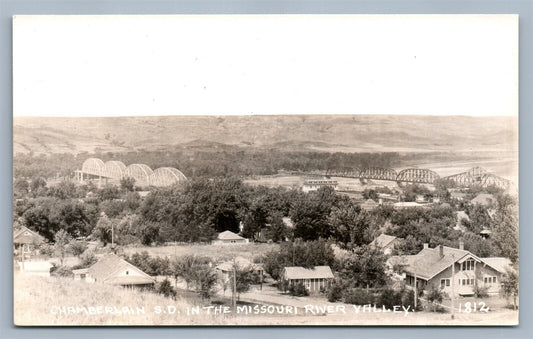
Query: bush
298	290
61	271
358	296
481	291
335	291
165	288
389	298
78	247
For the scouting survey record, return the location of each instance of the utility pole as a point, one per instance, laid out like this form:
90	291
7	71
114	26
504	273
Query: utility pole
233	299
416	290
453	287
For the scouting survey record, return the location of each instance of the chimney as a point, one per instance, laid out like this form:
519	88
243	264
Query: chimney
426	245
461	245
441	251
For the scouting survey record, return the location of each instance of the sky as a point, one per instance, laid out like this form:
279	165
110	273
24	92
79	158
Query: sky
265	64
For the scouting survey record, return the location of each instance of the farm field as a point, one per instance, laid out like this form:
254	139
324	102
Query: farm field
38	301
216	252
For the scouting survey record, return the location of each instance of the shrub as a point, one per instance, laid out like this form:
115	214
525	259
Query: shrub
61	271
358	296
165	288
78	247
335	291
434	297
298	290
389	298
481	291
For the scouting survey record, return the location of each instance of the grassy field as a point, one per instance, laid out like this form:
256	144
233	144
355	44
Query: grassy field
216	252
40	301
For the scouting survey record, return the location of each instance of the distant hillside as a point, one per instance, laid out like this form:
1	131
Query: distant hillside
343	133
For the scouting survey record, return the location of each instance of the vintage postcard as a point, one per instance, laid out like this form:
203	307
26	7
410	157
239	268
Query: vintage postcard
265	170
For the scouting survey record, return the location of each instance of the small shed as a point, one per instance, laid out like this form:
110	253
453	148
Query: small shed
225	269
228	237
313	279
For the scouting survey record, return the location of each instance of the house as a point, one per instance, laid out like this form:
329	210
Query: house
408	204
485	233
40	268
314	185
25	240
113	270
225	269
228	237
483	199
369	205
385	242
433	267
458	195
313	279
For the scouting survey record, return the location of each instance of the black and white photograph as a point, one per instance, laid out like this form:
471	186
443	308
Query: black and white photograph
265	170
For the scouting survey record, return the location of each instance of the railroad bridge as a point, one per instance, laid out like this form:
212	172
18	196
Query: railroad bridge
94	168
474	176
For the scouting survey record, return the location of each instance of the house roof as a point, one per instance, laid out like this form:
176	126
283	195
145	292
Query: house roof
369	203
428	262
408	204
24	235
108	265
240	262
484	199
298	272
499	264
228	235
383	240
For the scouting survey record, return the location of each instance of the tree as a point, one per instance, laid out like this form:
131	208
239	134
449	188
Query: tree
349	223
244	277
310	214
61	245
21	187
364	267
103	229
510	285
127	184
434	297
78	247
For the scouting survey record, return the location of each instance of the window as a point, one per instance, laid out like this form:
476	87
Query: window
471	281
127	272
307	284
468	265
444	283
489	280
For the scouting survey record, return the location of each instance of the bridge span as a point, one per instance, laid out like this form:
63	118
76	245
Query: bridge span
474	176
94	168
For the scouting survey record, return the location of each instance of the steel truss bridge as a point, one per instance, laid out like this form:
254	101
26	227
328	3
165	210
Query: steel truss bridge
94	168
474	176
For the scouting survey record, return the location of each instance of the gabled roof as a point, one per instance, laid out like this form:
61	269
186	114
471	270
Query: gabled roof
228	235
298	272
240	262
383	240
428	262
484	199
499	264
369	203
24	235
108	265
